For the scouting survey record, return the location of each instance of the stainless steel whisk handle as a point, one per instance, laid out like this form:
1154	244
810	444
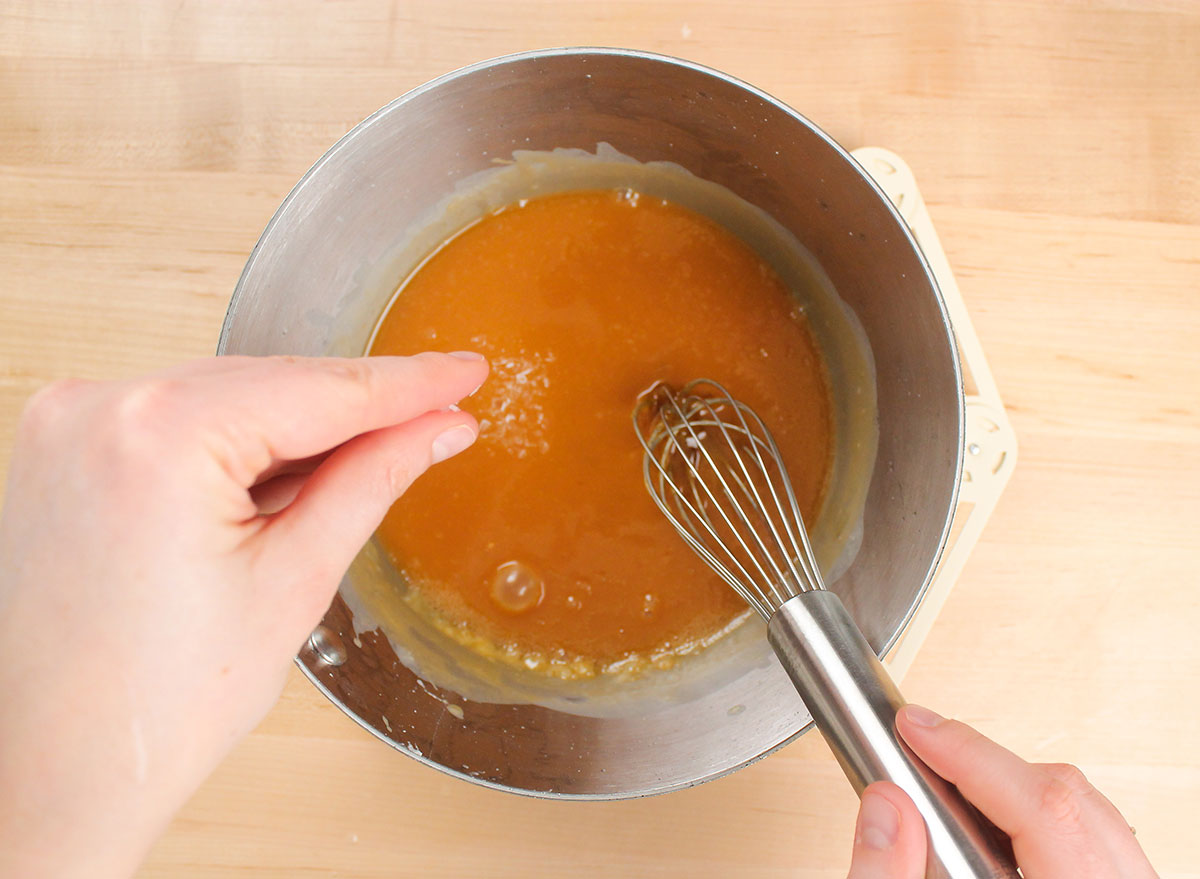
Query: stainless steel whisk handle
854	702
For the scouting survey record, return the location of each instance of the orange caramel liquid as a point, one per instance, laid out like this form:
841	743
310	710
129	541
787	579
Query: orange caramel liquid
541	540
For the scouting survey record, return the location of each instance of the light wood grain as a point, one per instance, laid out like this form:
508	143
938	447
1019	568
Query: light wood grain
143	146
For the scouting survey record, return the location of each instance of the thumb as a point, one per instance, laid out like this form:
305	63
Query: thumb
889	838
313	540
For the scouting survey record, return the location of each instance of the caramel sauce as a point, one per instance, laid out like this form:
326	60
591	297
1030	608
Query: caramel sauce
541	541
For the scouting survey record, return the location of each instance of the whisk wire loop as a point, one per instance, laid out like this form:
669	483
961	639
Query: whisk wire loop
789	522
714	469
809	576
686	512
747	535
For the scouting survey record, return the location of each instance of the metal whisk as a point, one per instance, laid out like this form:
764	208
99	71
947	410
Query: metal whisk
714	470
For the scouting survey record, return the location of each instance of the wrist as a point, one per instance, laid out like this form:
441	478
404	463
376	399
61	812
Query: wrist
74	802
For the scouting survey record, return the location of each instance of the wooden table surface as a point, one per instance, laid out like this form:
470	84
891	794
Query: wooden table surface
144	145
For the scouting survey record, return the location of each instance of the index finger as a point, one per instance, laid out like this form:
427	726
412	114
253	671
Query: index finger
1060	825
998	782
286	408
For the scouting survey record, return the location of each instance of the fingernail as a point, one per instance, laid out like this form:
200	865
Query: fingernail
451	442
878	823
466	355
920	716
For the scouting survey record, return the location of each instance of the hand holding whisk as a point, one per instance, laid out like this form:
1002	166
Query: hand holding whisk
715	471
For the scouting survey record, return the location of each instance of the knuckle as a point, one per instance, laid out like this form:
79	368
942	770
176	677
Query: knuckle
348	370
962	739
140	419
48	404
355	378
1062	804
148	406
398	475
1070	775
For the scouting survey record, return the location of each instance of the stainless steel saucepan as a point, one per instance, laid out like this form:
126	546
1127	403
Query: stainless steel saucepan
318	280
